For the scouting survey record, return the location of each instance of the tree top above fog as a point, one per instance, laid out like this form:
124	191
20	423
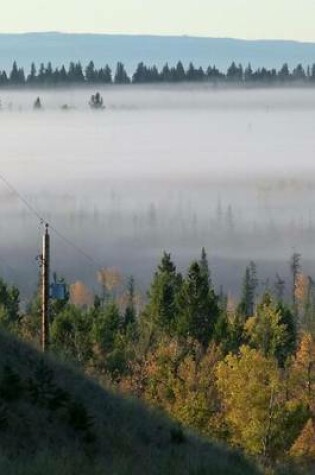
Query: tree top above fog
76	74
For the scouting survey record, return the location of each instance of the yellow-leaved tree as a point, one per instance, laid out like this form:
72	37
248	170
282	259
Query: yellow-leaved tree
179	377
302	372
303	448
251	394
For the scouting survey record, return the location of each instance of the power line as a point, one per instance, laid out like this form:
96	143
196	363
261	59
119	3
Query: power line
71	243
42	220
24	200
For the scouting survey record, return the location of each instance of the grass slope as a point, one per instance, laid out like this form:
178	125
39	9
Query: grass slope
55	421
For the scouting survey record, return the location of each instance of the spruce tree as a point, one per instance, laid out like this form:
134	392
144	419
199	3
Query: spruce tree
250	283
197	306
121	76
162	307
130	312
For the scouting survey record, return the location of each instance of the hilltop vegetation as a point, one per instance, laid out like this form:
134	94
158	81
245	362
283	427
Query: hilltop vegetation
55	421
240	373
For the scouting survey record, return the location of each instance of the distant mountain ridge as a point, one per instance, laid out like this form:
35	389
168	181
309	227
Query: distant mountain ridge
61	48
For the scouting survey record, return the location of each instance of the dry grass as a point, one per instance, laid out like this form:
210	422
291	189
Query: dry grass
53	420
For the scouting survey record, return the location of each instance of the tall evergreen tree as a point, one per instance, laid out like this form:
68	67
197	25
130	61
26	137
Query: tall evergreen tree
162	307
90	73
284	73
17	76
295	266
204	266
32	77
121	76
130	312
141	74
180	72
105	75
250	283
198	306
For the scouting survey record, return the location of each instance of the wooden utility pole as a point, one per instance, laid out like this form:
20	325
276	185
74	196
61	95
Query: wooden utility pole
45	258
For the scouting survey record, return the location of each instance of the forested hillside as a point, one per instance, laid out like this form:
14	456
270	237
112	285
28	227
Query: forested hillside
238	372
55	421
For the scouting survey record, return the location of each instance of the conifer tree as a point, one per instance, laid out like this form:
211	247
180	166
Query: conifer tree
250	283
90	73
162	306
198	306
204	266
31	79
295	266
130	312
121	76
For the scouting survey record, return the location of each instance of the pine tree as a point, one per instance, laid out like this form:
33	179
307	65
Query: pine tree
96	101
250	283
90	73
284	73
248	75
17	76
31	79
204	266
121	76
141	74
180	72
105	75
162	307
198	306
295	266
130	312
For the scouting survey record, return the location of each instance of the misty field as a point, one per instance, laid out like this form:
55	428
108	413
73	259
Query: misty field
160	168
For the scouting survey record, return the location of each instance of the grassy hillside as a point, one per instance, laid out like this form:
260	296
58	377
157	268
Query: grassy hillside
55	421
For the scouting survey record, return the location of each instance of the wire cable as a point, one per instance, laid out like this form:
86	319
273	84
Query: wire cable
42	220
71	243
21	197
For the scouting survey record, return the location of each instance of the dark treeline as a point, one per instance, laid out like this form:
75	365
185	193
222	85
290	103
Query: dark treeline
47	75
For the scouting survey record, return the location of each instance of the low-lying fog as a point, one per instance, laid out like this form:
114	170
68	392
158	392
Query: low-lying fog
160	168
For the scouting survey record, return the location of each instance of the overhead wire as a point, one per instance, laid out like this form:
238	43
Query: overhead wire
22	198
42	220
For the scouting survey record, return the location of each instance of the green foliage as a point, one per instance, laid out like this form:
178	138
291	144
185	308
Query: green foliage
71	334
93	432
162	307
130	312
74	74
9	306
251	392
266	332
250	282
177	435
121	76
242	374
11	387
4	423
197	306
106	326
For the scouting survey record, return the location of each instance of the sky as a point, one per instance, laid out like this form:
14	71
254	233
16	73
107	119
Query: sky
247	19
